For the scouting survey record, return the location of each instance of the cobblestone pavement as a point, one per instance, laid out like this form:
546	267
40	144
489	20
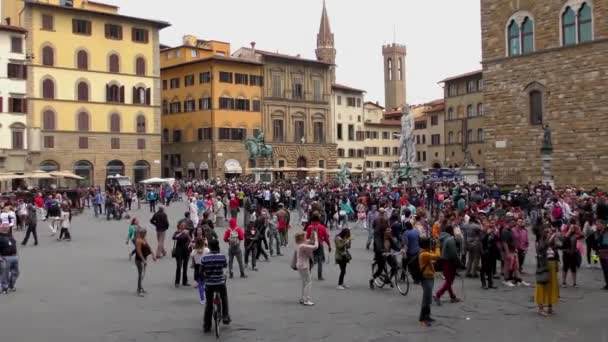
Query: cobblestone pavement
84	290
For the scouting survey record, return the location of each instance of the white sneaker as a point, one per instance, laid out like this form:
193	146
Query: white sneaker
508	283
524	283
340	287
308	303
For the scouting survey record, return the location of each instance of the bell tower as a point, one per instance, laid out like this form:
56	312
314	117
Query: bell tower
326	51
394	75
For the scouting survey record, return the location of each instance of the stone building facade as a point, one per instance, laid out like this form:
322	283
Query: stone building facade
211	103
347	109
464	119
93	88
13	103
381	141
546	64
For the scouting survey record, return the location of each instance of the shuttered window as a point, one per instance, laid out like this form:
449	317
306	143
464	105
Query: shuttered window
82	60
83	122
83	91
140	66
48	56
48	89
48	120
114	63
115	123
139	35
80	26
113	31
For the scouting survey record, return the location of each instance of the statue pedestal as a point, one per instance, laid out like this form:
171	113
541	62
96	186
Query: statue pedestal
415	178
547	159
263	173
470	174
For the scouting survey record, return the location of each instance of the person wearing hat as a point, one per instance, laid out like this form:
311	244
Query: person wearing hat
9	262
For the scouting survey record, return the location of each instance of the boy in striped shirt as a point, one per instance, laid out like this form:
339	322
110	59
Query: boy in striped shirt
212	267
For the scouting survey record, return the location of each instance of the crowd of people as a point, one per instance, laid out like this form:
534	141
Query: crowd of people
471	231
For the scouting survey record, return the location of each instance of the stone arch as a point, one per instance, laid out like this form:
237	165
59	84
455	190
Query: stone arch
576	6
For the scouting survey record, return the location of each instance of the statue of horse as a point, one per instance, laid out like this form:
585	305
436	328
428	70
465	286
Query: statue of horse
257	150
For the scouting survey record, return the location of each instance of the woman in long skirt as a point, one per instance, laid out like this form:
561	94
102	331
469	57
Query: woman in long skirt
547	285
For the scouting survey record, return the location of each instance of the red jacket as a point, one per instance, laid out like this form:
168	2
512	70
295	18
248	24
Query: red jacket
322	233
39	202
238	229
234	203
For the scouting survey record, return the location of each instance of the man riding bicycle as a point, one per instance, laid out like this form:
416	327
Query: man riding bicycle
385	248
212	267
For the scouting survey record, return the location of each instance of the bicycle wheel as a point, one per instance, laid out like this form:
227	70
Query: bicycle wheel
378	282
402	281
216	321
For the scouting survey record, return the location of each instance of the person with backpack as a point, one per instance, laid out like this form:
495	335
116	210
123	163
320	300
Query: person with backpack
273	235
323	236
152	197
233	237
252	237
449	263
343	256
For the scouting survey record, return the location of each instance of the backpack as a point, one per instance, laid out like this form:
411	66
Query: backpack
557	212
234	240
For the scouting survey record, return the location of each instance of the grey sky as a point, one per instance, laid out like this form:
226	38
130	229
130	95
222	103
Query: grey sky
442	36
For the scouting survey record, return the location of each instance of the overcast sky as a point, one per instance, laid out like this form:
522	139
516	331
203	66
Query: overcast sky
442	36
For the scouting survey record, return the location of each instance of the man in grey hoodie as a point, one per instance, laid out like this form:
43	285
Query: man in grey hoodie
371	218
449	262
472	233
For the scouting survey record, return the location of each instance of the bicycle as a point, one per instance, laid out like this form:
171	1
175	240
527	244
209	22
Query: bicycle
399	278
217	313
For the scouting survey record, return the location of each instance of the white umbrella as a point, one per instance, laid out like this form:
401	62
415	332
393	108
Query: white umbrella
66	175
154	180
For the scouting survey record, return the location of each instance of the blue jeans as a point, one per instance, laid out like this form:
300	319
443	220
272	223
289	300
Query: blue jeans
427	298
9	272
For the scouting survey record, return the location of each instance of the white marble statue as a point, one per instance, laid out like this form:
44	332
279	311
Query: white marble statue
407	143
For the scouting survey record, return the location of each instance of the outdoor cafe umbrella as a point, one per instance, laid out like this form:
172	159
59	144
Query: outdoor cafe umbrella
66	175
39	174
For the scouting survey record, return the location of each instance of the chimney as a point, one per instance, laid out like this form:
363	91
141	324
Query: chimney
253	47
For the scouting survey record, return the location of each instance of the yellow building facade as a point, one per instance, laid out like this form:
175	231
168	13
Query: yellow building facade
93	88
381	141
211	103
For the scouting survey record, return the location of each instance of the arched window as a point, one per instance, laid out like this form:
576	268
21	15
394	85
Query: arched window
84	169
48	120
48	89
536	107
140	66
141	124
83	91
114	63
514	48
390	69
400	69
141	96
83	122
584	23
48	56
49	166
480	135
450	113
141	171
115	167
450	137
469	136
527	36
568	26
470	112
479	109
459	137
82	60
115	93
115	123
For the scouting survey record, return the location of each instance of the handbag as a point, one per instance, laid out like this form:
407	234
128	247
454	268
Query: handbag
347	256
174	251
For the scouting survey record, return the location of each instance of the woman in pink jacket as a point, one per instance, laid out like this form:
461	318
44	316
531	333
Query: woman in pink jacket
304	250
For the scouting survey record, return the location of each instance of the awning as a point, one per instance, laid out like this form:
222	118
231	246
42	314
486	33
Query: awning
66	175
203	166
232	166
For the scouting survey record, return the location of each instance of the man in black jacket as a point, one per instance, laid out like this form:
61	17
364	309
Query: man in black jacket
161	222
9	262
